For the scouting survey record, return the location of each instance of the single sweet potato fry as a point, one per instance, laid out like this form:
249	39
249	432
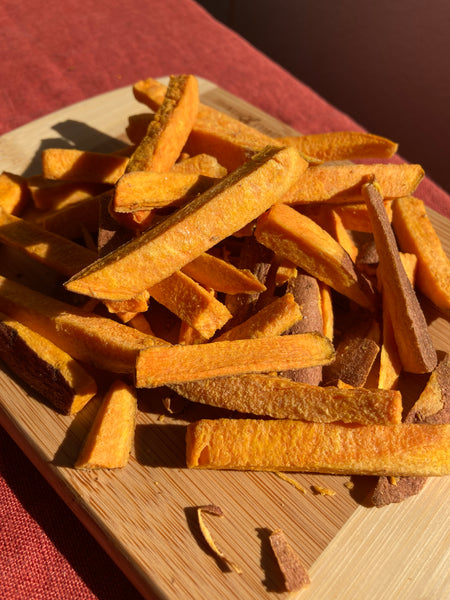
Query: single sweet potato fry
281	398
299	239
214	132
416	234
71	164
176	364
55	375
342	145
62	255
192	303
146	190
14	193
272	320
72	220
174	242
170	127
48	194
79	333
338	183
200	164
287	445
222	276
355	355
306	292
414	343
110	438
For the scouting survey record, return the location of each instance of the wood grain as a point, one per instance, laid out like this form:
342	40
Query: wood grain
144	515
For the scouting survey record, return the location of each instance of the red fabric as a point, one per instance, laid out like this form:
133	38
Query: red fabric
53	54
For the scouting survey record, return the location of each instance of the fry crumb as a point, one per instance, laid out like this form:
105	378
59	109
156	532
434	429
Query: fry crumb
323	491
292	481
349	485
213	510
295	575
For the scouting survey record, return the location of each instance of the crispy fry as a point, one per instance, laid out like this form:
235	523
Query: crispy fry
50	371
109	440
176	364
342	145
14	193
48	194
297	238
170	127
274	319
80	334
200	164
222	276
282	398
71	164
71	220
192	303
62	255
416	235
342	183
229	140
410	327
286	445
146	190
306	293
193	229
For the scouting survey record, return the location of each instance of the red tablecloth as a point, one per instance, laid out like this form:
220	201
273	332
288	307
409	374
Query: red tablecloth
56	53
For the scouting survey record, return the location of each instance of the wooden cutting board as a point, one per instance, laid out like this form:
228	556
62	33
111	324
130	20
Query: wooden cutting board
145	515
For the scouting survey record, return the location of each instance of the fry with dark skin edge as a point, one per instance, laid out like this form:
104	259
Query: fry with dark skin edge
281	398
293	236
54	374
414	344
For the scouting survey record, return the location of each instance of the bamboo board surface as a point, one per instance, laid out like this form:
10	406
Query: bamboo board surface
144	515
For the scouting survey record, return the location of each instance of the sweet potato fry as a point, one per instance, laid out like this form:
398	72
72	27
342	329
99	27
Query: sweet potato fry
110	438
327	310
62	255
390	365
82	335
192	303
222	276
14	193
305	290
170	127
415	346
274	319
176	364
71	164
342	183
145	190
355	355
229	140
193	229
342	145
299	239
281	398
200	164
55	375
48	194
72	220
287	445
415	234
